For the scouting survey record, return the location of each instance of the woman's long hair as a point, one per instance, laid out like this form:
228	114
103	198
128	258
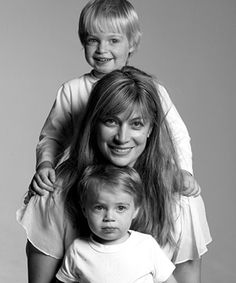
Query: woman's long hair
122	91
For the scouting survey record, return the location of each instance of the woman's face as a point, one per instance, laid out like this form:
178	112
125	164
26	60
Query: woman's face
122	140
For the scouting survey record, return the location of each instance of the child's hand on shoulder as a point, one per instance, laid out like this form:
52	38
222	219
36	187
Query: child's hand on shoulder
191	187
43	179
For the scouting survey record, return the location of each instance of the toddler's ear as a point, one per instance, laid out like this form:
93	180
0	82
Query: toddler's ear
136	213
131	48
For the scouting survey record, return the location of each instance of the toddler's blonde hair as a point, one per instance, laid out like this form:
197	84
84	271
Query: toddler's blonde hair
110	16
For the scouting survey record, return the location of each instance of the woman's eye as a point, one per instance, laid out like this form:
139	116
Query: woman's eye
137	124
110	122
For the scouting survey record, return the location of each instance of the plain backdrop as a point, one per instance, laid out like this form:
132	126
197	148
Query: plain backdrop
190	45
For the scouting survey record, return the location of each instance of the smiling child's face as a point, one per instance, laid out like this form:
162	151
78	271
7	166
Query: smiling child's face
107	51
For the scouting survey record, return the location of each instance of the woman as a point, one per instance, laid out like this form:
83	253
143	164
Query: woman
123	125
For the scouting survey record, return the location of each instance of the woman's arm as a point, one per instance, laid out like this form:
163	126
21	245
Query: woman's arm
41	268
188	272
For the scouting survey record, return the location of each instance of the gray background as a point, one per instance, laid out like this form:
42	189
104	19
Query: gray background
189	45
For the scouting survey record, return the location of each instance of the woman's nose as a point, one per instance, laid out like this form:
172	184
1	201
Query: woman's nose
122	135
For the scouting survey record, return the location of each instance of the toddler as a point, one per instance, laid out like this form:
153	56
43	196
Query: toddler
111	198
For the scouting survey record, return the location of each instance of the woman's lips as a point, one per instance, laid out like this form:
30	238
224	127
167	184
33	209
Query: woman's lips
120	150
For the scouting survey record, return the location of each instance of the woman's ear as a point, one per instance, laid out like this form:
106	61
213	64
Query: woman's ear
84	211
149	132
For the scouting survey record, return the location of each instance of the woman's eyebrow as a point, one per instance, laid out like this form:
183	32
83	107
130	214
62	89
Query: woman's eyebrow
137	118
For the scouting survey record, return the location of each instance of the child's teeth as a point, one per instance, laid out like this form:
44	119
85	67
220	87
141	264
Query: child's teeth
103	60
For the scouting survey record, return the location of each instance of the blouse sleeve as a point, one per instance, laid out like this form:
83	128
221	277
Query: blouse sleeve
47	224
192	232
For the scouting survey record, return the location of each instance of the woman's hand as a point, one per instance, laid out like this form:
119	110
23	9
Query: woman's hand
191	187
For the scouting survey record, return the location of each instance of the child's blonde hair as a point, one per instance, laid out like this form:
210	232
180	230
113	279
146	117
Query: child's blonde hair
110	15
117	178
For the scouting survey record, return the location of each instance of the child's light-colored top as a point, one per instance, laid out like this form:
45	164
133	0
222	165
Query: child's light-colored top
67	112
139	259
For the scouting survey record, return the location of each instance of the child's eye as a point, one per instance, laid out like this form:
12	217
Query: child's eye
114	40
121	208
91	41
98	207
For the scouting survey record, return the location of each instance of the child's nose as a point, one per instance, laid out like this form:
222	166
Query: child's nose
108	217
102	46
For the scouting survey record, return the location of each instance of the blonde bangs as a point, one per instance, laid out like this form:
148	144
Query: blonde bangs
110	19
105	24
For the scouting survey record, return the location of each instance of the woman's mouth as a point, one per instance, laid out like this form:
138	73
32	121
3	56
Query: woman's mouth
120	150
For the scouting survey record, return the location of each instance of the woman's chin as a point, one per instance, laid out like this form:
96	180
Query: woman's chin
121	162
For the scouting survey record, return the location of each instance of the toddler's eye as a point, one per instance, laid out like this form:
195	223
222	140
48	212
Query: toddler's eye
98	207
121	208
114	40
91	41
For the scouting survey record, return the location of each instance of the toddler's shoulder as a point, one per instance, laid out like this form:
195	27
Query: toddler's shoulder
77	88
75	82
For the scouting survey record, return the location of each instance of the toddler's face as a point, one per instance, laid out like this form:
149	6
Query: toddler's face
106	52
109	212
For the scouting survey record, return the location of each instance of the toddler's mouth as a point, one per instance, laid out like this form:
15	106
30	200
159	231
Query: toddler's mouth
103	60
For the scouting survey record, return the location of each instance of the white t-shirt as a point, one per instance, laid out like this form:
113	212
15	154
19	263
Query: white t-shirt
139	259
